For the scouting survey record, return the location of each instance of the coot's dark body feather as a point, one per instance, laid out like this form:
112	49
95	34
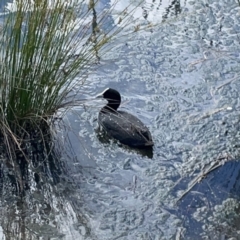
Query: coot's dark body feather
121	125
126	128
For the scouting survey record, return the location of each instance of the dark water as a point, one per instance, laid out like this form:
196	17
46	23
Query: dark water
181	79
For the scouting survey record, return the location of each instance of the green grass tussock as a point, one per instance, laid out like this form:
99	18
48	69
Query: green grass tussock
47	49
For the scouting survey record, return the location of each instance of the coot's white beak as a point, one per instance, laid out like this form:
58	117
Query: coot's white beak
100	95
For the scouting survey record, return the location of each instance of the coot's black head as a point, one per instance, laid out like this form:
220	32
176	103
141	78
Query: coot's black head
113	97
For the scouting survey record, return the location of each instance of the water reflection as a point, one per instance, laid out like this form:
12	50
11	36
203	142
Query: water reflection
174	8
162	9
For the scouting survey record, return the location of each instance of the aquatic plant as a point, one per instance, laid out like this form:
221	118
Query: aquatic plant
47	49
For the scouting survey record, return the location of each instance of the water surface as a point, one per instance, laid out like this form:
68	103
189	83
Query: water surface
181	79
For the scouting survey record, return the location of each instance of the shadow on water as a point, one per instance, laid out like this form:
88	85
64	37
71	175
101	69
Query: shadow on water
207	196
36	195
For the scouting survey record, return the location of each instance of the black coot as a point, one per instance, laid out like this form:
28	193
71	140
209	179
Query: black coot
123	126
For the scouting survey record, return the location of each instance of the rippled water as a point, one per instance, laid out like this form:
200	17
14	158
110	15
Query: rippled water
181	78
